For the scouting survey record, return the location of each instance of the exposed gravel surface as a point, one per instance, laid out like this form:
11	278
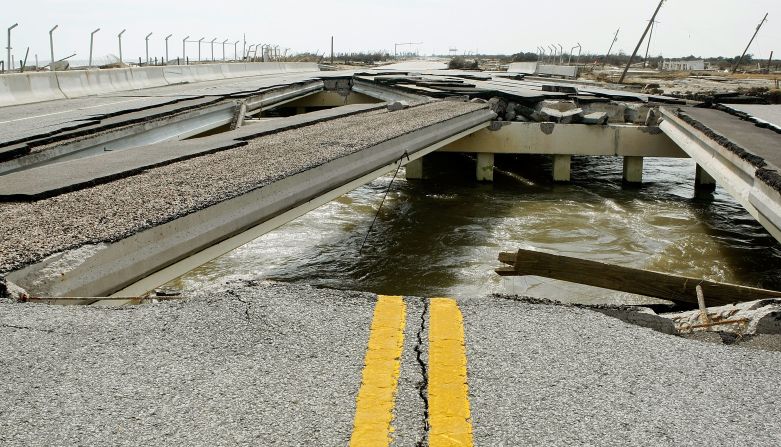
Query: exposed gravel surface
32	231
270	365
552	375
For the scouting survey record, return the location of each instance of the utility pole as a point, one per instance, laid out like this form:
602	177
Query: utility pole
119	37
648	47
637	48
332	50
769	61
9	65
184	49
24	62
146	39
744	51
166	47
51	46
244	48
615	39
91	40
571	51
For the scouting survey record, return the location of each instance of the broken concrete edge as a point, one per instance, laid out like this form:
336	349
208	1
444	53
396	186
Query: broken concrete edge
751	318
116	176
238	142
642	316
574	111
91	126
395	106
747	117
764	172
51	136
11	292
763	317
756	161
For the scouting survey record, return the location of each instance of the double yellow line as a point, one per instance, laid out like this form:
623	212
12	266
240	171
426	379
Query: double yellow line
448	401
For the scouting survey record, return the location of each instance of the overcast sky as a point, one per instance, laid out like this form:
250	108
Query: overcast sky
700	27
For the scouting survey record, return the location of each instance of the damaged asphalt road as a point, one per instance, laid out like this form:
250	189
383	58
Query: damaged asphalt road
274	364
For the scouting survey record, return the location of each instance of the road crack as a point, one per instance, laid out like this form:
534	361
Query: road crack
248	304
27	328
422	386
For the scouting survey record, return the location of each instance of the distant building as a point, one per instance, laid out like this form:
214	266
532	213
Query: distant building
684	65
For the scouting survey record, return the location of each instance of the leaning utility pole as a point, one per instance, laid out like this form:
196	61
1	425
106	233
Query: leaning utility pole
637	48
615	39
648	47
749	43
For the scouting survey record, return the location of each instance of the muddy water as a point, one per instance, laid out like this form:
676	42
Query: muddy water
441	236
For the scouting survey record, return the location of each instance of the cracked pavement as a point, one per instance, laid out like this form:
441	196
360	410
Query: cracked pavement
273	364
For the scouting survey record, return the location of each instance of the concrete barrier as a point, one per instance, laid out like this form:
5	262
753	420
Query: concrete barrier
121	80
570	71
100	82
567	71
207	72
299	67
522	67
148	77
179	74
24	88
73	84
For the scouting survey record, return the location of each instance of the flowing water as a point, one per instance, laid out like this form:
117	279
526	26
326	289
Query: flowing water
441	236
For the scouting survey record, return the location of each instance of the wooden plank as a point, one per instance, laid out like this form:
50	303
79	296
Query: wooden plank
626	279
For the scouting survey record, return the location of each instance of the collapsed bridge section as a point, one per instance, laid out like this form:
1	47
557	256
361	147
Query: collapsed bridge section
141	227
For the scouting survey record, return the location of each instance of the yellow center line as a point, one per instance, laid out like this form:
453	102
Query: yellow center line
448	394
376	398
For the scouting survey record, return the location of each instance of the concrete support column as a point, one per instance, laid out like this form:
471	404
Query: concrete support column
414	169
485	167
703	181
561	168
633	170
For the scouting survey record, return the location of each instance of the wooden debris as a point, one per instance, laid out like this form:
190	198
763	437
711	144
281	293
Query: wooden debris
626	279
704	317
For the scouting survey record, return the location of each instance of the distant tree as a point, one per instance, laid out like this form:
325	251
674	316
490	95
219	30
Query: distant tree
525	57
461	63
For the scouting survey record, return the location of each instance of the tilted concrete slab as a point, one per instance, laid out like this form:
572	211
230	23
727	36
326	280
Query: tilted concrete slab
740	156
54	179
762	115
130	128
185	208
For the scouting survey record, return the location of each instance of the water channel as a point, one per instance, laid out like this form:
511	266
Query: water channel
441	236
